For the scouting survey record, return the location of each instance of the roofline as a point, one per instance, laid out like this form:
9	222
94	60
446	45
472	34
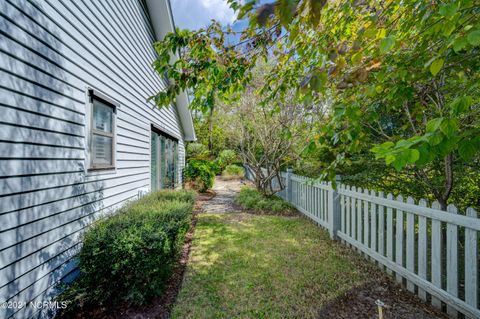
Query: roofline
159	11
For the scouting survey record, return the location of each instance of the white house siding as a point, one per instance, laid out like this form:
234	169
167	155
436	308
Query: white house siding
50	52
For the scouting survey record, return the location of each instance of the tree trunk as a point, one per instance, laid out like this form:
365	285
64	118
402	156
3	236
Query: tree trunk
448	185
210	130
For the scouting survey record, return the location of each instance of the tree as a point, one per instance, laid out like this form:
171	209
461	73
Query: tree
268	136
402	75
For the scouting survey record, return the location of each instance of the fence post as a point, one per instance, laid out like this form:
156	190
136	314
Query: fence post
288	185
334	215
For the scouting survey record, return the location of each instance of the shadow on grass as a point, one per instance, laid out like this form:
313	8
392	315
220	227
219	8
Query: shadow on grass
264	266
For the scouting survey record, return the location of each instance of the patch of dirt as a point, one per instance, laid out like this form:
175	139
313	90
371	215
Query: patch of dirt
359	303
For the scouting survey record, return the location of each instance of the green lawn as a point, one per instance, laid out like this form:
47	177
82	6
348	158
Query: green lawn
250	266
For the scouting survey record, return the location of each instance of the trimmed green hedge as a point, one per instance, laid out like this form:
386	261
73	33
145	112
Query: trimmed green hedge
128	257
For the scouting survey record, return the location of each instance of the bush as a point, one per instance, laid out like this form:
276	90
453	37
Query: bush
225	158
200	174
233	171
197	151
128	257
250	198
169	195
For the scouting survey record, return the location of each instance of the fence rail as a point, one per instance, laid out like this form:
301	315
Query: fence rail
434	253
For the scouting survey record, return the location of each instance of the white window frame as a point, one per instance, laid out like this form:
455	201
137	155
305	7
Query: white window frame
90	169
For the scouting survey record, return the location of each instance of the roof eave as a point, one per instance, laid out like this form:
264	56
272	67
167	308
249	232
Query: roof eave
162	22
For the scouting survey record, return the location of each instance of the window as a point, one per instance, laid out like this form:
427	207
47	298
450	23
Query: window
102	132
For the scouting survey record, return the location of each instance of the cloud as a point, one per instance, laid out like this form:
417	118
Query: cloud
195	14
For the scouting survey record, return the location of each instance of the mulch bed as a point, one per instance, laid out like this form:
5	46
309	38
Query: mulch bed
359	303
159	308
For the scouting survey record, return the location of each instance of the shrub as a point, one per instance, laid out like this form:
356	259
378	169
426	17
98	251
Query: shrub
128	257
250	198
233	171
197	151
225	158
200	174
169	195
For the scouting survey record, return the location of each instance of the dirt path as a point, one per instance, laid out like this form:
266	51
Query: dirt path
224	200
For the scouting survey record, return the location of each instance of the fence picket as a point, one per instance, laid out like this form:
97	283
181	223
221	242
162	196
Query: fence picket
410	244
325	194
471	263
399	239
389	234
381	227
325	202
373	224
436	259
343	212
359	217
452	261
366	221
349	214
354	214
320	204
422	249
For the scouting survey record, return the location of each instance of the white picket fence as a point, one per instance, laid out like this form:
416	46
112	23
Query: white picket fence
432	252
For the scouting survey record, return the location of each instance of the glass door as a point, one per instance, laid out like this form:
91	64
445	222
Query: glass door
164	161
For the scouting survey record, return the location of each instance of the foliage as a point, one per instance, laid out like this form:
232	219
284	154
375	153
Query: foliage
226	157
267	136
209	131
238	260
197	151
250	198
127	257
233	171
200	174
169	195
402	77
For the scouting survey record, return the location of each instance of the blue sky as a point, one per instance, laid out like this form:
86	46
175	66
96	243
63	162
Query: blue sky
195	14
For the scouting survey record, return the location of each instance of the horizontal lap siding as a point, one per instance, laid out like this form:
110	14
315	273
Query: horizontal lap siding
50	52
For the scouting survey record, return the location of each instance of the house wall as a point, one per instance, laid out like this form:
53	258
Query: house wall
50	52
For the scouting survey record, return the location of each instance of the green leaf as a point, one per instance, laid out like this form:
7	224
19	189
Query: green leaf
400	162
466	149
389	159
449	127
459	44
387	145
434	124
318	81
461	104
425	155
435	139
448	10
448	28
436	66
474	38
287	9
413	156
357	57
386	44
381	33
